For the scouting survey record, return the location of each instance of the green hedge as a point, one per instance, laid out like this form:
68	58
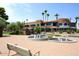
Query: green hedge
77	31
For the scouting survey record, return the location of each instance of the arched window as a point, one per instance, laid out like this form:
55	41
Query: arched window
65	23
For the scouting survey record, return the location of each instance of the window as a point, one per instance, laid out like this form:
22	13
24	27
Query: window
42	24
65	23
55	23
72	24
26	25
60	23
33	25
49	23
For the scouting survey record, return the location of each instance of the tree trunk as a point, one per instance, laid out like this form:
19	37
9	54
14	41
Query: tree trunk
76	26
1	32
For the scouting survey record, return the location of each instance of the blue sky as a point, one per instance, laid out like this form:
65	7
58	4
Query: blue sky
32	11
22	11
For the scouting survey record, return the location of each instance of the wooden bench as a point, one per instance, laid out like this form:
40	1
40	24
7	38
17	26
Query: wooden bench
20	50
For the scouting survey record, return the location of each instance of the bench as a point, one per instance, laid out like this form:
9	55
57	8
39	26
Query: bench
20	50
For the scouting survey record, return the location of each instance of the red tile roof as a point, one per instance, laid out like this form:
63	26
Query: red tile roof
60	20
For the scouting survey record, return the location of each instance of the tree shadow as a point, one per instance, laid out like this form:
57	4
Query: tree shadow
5	36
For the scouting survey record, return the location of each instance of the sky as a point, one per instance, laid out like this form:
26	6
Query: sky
33	11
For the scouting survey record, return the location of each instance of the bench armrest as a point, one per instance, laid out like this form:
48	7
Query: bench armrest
37	54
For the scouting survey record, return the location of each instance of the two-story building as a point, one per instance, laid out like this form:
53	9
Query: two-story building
62	24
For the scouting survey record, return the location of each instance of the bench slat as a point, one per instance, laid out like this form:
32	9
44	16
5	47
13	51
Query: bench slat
20	50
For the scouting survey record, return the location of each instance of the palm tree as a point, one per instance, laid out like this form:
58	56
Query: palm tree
24	23
56	16
26	19
43	16
47	19
76	18
48	16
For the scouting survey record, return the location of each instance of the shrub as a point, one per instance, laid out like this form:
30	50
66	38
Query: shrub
77	31
15	28
60	32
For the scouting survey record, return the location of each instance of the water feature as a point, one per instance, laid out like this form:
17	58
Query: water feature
38	37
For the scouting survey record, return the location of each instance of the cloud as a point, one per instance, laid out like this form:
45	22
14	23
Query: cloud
17	11
9	11
6	6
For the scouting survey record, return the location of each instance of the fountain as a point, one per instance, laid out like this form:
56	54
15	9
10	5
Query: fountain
38	37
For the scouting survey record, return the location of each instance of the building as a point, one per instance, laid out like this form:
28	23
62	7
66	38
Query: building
62	24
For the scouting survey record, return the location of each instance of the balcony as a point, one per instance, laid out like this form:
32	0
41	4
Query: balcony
63	25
